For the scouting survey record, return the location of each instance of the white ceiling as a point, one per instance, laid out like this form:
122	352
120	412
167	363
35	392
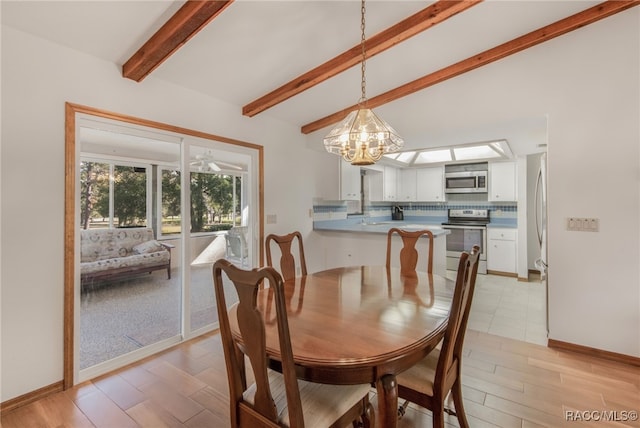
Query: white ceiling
253	47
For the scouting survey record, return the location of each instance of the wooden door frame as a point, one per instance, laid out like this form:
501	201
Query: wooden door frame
71	171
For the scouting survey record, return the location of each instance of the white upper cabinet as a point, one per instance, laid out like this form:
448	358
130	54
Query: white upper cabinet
430	184
390	187
407	185
349	181
502	181
383	183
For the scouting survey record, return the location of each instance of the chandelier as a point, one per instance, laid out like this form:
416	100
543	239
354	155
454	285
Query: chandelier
362	137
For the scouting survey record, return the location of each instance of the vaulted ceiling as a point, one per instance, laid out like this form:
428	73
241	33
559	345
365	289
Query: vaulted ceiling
299	60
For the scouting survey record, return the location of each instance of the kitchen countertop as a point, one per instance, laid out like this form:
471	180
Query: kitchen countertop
381	227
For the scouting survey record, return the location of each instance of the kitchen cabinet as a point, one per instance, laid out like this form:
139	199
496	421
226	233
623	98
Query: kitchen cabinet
390	186
383	184
349	181
407	185
502	181
501	249
430	184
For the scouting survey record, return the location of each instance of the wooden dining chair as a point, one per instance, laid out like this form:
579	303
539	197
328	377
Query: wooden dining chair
276	399
409	252
429	382
287	259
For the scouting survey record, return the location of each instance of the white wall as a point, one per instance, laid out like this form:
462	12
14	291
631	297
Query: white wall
593	172
37	79
586	81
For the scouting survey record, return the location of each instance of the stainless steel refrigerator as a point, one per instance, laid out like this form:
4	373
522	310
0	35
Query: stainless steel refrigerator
541	227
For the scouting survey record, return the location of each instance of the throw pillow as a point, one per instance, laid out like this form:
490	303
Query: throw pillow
147	247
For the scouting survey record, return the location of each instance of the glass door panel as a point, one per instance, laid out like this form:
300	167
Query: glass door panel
216	206
131	280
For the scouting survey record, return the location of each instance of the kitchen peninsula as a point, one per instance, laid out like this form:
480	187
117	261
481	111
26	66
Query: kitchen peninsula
359	240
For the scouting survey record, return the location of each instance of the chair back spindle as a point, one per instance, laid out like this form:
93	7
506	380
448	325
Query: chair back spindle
287	259
409	252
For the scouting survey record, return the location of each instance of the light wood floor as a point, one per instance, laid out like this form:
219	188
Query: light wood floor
508	383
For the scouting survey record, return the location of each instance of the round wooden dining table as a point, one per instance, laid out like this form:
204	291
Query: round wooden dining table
361	324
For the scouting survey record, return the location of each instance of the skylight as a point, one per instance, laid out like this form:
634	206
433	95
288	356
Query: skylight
433	156
498	149
475	152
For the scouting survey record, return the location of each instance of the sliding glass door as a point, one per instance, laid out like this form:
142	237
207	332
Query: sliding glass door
153	211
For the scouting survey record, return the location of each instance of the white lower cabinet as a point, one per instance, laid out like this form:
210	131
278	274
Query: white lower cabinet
501	249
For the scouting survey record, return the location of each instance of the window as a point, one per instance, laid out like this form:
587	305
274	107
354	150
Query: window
94	191
129	196
170	220
112	195
476	151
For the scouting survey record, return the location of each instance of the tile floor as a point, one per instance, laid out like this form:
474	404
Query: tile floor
509	308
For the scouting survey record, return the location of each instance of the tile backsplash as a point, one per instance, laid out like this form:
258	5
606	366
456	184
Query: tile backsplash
500	213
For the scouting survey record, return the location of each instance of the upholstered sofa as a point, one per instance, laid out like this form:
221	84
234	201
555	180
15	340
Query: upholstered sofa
107	254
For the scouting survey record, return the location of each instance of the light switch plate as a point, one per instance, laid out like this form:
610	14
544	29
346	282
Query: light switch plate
583	224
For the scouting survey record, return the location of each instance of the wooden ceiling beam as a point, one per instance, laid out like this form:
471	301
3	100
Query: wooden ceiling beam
192	17
416	23
558	28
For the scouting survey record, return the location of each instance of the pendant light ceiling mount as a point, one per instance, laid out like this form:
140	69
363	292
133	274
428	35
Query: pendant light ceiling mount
362	137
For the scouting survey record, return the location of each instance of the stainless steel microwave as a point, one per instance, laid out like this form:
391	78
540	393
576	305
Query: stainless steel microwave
465	182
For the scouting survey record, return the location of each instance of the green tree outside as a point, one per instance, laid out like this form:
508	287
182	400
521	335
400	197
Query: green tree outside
130	196
211	197
94	180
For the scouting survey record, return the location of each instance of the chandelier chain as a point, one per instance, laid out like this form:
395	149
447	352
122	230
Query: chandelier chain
362	138
363	86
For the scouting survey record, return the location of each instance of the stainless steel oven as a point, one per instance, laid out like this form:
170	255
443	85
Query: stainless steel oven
468	228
